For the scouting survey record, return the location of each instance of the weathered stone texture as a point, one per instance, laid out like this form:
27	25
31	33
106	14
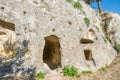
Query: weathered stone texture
35	20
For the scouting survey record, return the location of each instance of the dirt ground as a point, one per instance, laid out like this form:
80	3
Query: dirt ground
110	73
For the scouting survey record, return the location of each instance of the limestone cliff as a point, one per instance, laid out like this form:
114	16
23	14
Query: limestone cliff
51	34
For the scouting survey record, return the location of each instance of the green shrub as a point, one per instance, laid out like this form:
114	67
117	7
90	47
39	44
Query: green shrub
70	71
77	5
87	21
40	75
117	47
70	1
87	72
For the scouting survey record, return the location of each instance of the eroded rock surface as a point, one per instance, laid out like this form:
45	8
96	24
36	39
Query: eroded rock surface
112	27
78	44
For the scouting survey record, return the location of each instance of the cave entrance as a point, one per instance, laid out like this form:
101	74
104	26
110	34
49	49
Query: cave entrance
88	54
51	52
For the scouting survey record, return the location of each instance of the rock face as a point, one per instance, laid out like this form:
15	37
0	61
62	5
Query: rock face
113	27
57	33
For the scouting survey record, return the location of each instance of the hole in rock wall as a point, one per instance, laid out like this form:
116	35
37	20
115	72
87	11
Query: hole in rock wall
89	37
52	53
2	8
53	30
91	34
88	54
2	33
69	22
86	41
24	12
7	25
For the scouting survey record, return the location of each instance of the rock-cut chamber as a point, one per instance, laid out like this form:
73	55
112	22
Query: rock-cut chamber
51	52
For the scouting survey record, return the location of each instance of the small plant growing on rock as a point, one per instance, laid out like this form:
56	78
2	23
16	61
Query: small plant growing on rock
87	21
40	75
70	71
101	24
97	28
103	68
118	61
105	39
77	5
117	47
87	72
69	1
96	13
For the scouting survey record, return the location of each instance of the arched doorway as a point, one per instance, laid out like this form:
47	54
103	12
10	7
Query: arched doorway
52	53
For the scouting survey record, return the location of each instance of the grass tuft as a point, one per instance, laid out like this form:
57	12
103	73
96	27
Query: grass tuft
77	5
105	39
87	72
70	71
70	1
103	68
87	21
40	75
97	28
117	47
